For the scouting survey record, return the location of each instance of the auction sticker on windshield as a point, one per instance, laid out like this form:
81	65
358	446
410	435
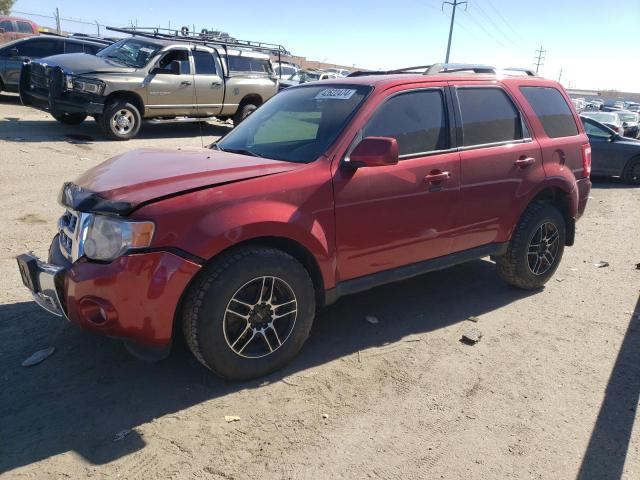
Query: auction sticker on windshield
336	93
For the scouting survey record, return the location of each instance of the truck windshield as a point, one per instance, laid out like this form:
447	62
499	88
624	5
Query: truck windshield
131	52
298	124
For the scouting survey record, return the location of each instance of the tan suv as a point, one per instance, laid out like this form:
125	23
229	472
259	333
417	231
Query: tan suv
153	77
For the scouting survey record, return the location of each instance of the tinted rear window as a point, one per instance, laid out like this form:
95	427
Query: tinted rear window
72	47
7	26
488	116
552	110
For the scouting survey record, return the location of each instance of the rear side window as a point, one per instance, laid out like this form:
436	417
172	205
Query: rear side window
488	116
246	64
417	120
7	26
72	47
40	48
205	64
552	110
24	27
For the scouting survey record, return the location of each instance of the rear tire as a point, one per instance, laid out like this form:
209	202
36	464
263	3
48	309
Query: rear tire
70	118
243	112
249	312
631	173
536	248
120	120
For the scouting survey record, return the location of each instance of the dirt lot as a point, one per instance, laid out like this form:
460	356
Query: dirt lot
551	390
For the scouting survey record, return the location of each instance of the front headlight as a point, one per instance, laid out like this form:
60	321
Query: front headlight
108	238
86	85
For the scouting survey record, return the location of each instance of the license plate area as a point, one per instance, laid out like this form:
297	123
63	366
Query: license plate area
28	267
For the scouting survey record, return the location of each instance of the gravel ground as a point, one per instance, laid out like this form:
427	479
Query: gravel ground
550	391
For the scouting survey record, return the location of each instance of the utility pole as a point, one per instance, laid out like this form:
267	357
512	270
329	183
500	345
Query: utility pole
455	5
539	58
58	21
560	75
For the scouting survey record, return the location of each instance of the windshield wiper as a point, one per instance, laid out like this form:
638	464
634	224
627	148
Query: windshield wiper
241	151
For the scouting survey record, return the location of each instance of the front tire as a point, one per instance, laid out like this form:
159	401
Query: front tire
120	120
70	118
536	248
631	173
249	313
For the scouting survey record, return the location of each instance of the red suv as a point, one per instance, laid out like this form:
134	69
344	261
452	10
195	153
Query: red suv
329	188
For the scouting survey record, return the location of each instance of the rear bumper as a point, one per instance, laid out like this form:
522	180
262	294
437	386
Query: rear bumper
67	103
583	187
134	297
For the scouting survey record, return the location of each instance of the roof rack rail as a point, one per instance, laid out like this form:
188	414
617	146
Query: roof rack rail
203	38
440	68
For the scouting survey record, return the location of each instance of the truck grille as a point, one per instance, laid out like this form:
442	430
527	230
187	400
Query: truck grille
72	228
39	76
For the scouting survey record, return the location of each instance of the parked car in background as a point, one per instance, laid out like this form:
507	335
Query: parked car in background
611	154
630	123
579	104
610	119
158	78
633	107
285	69
305	76
328	189
340	72
14	54
13	28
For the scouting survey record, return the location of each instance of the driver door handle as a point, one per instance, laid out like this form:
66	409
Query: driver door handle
436	176
524	162
185	82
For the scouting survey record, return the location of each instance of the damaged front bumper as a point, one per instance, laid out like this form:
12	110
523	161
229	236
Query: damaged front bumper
44	280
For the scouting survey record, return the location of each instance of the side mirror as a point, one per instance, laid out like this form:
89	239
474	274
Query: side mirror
14	53
375	152
176	67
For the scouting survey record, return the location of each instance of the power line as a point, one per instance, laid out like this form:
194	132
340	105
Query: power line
539	58
487	32
499	29
455	5
504	20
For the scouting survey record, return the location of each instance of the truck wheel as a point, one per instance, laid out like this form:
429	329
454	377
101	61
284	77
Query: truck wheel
243	112
536	248
631	174
120	120
249	313
70	118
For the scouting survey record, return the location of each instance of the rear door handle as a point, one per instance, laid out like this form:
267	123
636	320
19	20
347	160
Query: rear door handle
524	162
437	177
185	82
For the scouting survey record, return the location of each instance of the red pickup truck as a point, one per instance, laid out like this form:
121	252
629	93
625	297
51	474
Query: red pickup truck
327	189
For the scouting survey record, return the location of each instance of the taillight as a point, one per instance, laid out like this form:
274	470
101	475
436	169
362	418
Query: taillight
586	160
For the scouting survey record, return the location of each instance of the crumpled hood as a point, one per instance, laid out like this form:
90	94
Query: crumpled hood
122	183
83	63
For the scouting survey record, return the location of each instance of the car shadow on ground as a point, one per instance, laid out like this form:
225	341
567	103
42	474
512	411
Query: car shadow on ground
603	183
91	389
609	443
15	129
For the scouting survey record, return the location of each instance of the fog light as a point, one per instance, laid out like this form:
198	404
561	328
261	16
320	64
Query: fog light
97	311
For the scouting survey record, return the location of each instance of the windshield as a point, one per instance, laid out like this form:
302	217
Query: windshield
629	117
131	52
297	125
602	117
